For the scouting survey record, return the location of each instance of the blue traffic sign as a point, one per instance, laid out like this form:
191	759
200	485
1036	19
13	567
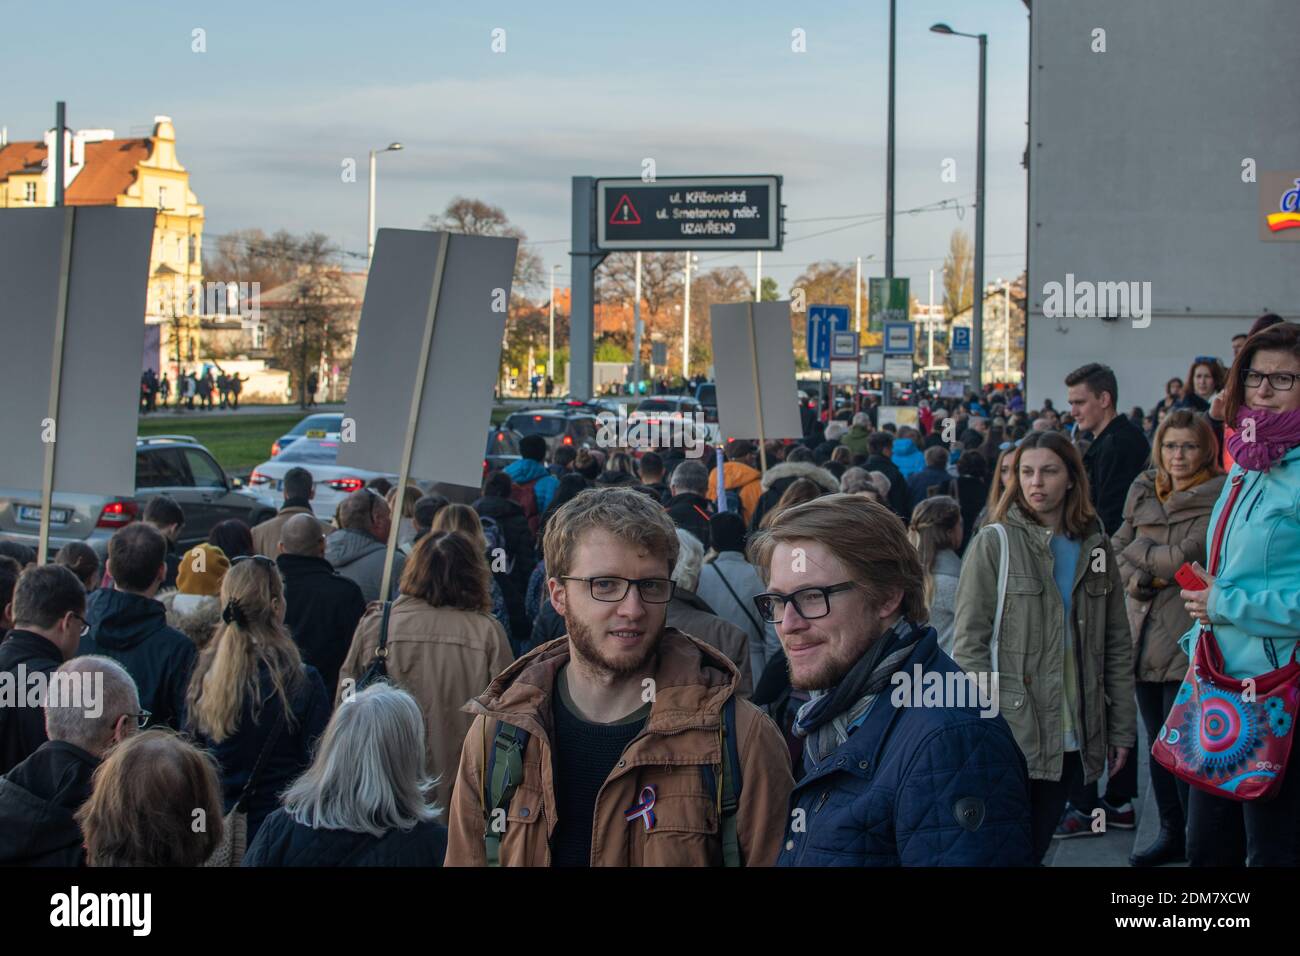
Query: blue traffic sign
960	338
822	321
900	338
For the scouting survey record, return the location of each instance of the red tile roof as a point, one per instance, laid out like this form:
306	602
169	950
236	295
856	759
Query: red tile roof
110	168
18	156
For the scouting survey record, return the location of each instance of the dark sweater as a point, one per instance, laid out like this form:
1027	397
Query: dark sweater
22	728
38	800
283	842
584	754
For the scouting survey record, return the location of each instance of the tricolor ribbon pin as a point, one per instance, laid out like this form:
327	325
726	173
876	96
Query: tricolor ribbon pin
644	809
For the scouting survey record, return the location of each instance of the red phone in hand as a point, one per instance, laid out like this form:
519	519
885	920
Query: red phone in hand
1189	579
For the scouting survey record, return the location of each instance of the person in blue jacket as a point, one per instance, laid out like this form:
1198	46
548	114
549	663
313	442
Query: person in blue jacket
531	468
907	762
907	451
1252	602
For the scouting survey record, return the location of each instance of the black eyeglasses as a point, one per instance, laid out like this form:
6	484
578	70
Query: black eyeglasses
1280	381
811	602
612	589
85	625
261	559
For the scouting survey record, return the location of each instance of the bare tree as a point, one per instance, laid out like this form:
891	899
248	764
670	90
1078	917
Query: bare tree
662	280
314	321
473	217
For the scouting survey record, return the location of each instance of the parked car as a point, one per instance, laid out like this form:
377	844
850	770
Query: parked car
174	465
332	481
502	448
557	426
669	405
326	425
706	393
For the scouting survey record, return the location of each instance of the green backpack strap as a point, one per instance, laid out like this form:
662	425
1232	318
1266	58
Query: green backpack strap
503	773
729	791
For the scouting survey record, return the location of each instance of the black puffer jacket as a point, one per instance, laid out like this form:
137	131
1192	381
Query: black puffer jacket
283	842
38	801
519	549
900	499
781	477
22	729
691	512
1114	459
322	610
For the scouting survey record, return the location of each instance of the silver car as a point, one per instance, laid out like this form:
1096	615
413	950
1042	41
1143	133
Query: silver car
174	465
319	456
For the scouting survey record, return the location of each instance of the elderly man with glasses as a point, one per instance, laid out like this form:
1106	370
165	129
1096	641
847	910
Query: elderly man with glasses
92	705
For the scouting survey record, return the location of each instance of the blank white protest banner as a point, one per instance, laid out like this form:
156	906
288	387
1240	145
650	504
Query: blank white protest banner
99	387
456	404
767	358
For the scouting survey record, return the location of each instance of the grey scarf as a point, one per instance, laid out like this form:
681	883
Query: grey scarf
825	720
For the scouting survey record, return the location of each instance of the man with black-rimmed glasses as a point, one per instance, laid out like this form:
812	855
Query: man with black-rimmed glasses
623	743
907	760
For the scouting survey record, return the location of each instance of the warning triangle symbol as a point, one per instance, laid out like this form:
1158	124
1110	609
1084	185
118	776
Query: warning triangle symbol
624	213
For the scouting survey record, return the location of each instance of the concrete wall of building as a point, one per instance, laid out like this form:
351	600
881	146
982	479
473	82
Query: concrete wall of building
1135	174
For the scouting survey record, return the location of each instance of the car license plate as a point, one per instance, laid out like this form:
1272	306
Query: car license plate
317	433
57	515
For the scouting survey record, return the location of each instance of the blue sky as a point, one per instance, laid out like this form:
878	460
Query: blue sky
284	93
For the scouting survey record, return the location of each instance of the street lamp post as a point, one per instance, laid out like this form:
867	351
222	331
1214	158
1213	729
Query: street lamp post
977	308
686	322
370	218
550	353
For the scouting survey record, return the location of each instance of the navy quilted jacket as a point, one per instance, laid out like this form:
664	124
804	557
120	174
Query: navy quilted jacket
915	786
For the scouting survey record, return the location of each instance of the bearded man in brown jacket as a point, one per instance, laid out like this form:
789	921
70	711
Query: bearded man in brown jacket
622	760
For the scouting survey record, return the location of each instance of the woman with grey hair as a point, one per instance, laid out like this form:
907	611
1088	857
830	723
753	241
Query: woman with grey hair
692	615
362	801
872	484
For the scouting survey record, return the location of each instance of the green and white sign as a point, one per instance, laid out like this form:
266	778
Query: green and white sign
888	301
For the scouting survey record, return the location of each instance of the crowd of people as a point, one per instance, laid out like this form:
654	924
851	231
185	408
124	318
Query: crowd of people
223	388
631	657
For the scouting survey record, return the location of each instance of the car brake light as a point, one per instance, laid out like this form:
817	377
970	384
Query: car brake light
501	436
257	478
537	418
275	448
568	439
117	514
346	484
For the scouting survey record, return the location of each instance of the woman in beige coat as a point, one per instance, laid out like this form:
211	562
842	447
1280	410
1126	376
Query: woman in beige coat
1166	518
444	647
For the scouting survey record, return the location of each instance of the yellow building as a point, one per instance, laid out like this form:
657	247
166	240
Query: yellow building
101	170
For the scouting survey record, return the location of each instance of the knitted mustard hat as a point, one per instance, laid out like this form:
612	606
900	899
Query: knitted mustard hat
201	569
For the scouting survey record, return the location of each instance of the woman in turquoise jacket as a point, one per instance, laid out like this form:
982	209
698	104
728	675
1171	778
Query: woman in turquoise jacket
1253	602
